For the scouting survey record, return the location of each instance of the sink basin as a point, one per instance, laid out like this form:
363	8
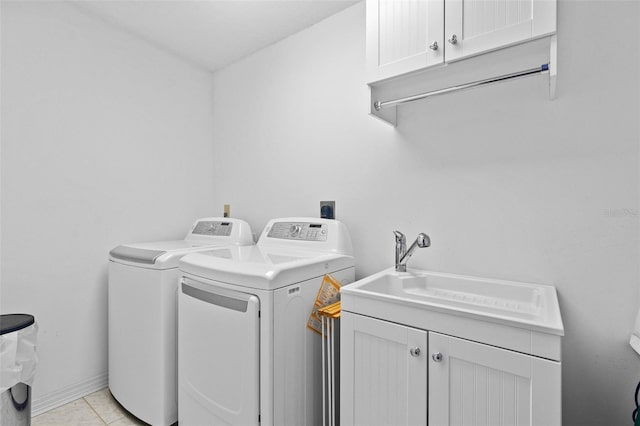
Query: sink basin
533	306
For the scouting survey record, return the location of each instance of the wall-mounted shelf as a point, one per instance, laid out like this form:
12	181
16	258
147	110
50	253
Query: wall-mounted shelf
544	68
387	95
412	36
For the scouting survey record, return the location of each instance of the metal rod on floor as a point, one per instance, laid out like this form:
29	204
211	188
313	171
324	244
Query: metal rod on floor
333	371
378	105
330	363
324	375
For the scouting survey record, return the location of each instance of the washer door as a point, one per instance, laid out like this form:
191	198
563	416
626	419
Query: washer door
218	355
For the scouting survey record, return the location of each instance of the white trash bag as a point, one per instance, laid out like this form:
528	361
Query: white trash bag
18	357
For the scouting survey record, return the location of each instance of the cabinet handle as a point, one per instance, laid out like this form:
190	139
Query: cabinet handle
437	357
414	351
453	39
434	45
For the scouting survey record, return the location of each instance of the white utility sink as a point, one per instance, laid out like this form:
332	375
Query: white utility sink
532	306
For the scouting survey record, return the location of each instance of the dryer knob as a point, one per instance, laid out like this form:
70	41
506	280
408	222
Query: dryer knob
294	230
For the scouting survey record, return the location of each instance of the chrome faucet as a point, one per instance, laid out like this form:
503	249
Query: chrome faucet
402	254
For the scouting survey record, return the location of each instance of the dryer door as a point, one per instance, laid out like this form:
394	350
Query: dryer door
218	355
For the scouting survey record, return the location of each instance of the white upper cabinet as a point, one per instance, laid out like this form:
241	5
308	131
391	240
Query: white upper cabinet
409	35
475	26
403	36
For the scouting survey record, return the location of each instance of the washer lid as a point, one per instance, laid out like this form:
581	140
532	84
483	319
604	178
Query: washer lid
263	267
156	255
15	322
206	233
139	255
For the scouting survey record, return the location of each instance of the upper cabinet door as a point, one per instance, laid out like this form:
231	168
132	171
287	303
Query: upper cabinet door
403	36
475	26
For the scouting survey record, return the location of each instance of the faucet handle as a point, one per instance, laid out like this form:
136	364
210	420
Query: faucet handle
423	240
400	237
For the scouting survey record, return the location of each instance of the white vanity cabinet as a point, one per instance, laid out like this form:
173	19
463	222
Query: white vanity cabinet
382	383
398	375
410	35
432	348
475	384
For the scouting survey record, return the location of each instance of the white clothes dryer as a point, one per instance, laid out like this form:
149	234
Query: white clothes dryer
245	354
142	307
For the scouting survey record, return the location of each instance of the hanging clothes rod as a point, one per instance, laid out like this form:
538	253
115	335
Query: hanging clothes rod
532	71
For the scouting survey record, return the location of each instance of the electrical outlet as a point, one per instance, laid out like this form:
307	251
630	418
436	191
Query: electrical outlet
328	209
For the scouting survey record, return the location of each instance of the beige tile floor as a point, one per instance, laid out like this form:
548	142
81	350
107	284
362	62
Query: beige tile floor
97	409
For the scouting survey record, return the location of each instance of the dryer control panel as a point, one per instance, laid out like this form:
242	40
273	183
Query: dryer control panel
301	231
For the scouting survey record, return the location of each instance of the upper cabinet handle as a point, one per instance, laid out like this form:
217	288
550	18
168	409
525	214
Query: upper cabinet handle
434	45
453	39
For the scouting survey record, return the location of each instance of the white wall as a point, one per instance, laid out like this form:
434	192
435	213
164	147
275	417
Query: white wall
507	183
105	139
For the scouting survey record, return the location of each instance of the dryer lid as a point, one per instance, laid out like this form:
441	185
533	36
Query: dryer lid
265	268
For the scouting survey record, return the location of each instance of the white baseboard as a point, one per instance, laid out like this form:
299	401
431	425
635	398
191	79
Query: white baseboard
69	393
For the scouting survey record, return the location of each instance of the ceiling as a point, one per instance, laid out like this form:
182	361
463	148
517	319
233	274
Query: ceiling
213	33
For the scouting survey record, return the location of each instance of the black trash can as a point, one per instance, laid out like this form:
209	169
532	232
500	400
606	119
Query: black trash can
18	333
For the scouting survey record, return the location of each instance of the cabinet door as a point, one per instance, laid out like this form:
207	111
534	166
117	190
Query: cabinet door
475	384
481	25
383	378
399	33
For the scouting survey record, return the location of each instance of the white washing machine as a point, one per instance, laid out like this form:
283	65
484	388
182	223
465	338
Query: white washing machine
142	301
245	354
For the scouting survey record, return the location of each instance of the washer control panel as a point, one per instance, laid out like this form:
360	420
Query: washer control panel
214	228
301	231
